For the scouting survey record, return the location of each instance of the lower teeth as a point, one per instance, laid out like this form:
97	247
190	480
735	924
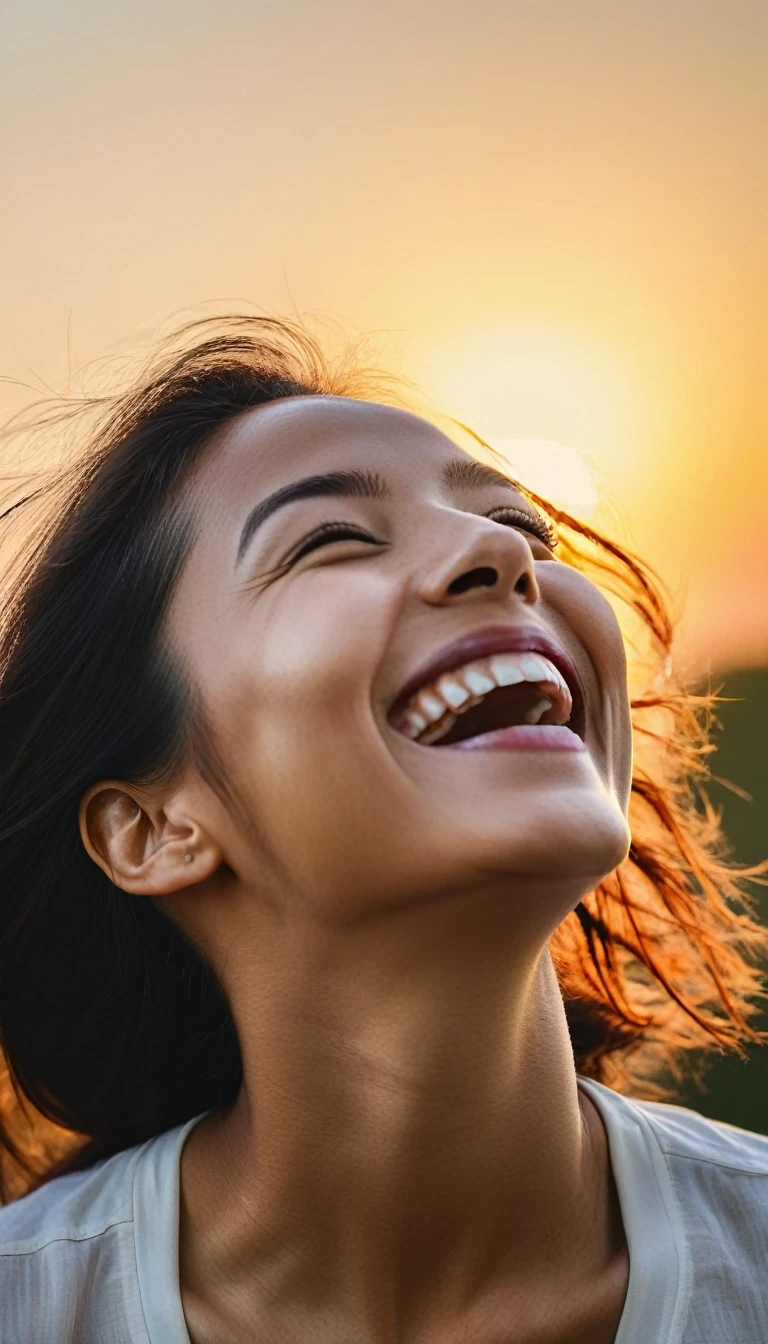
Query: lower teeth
444	725
439	730
535	714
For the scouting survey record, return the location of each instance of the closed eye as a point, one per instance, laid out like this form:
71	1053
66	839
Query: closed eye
528	522
332	530
337	530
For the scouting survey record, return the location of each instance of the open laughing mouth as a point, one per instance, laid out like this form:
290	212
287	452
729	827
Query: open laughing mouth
500	687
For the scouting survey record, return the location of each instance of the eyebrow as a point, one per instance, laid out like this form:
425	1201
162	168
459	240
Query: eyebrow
458	473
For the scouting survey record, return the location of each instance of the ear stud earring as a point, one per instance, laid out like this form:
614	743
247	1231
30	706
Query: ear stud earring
187	857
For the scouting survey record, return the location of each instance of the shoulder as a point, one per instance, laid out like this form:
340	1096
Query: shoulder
77	1207
69	1242
694	1197
718	1173
681	1134
691	1137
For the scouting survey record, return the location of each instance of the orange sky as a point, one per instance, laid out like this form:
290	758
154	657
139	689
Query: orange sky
555	214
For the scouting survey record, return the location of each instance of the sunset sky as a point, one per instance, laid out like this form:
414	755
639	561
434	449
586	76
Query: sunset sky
554	216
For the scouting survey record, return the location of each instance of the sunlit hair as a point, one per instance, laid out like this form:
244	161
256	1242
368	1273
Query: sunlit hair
112	1026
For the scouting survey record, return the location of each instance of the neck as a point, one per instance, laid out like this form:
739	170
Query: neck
409	1143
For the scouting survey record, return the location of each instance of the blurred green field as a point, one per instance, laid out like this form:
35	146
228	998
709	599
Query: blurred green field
736	1090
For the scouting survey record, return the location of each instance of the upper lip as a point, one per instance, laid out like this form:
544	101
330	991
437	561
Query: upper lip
498	639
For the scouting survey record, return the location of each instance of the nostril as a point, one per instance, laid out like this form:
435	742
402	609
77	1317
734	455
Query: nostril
523	585
475	578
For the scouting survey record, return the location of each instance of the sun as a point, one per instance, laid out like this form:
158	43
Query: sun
554	470
567	411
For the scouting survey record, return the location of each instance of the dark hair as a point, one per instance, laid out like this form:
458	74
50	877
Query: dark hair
112	1026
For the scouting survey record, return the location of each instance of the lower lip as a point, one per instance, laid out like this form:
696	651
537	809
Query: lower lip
522	737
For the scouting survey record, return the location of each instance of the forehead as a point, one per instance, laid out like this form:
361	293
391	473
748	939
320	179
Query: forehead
267	446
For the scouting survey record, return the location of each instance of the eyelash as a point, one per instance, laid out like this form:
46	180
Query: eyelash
529	522
336	530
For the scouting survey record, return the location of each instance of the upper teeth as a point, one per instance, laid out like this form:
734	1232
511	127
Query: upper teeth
432	711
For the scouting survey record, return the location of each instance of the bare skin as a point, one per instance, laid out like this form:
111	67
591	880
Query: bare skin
410	1160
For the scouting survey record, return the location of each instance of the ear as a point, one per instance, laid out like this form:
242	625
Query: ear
140	847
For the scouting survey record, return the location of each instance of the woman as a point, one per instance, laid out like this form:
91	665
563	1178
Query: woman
326	954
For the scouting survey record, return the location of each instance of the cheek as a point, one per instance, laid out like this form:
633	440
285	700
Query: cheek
285	679
293	711
577	608
314	649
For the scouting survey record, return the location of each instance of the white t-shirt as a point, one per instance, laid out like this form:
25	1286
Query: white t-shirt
92	1258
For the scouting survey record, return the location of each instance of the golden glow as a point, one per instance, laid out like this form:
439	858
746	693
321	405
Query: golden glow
569	410
559	473
555	226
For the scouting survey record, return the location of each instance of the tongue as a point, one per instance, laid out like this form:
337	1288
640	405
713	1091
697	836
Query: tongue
502	708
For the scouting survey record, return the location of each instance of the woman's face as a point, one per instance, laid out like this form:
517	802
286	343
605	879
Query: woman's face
300	651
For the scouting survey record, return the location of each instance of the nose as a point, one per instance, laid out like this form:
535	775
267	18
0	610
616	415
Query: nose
482	554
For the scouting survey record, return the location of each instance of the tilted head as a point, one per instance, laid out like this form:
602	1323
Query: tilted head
306	648
259	647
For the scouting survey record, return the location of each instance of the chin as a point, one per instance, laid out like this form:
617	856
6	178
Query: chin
573	837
